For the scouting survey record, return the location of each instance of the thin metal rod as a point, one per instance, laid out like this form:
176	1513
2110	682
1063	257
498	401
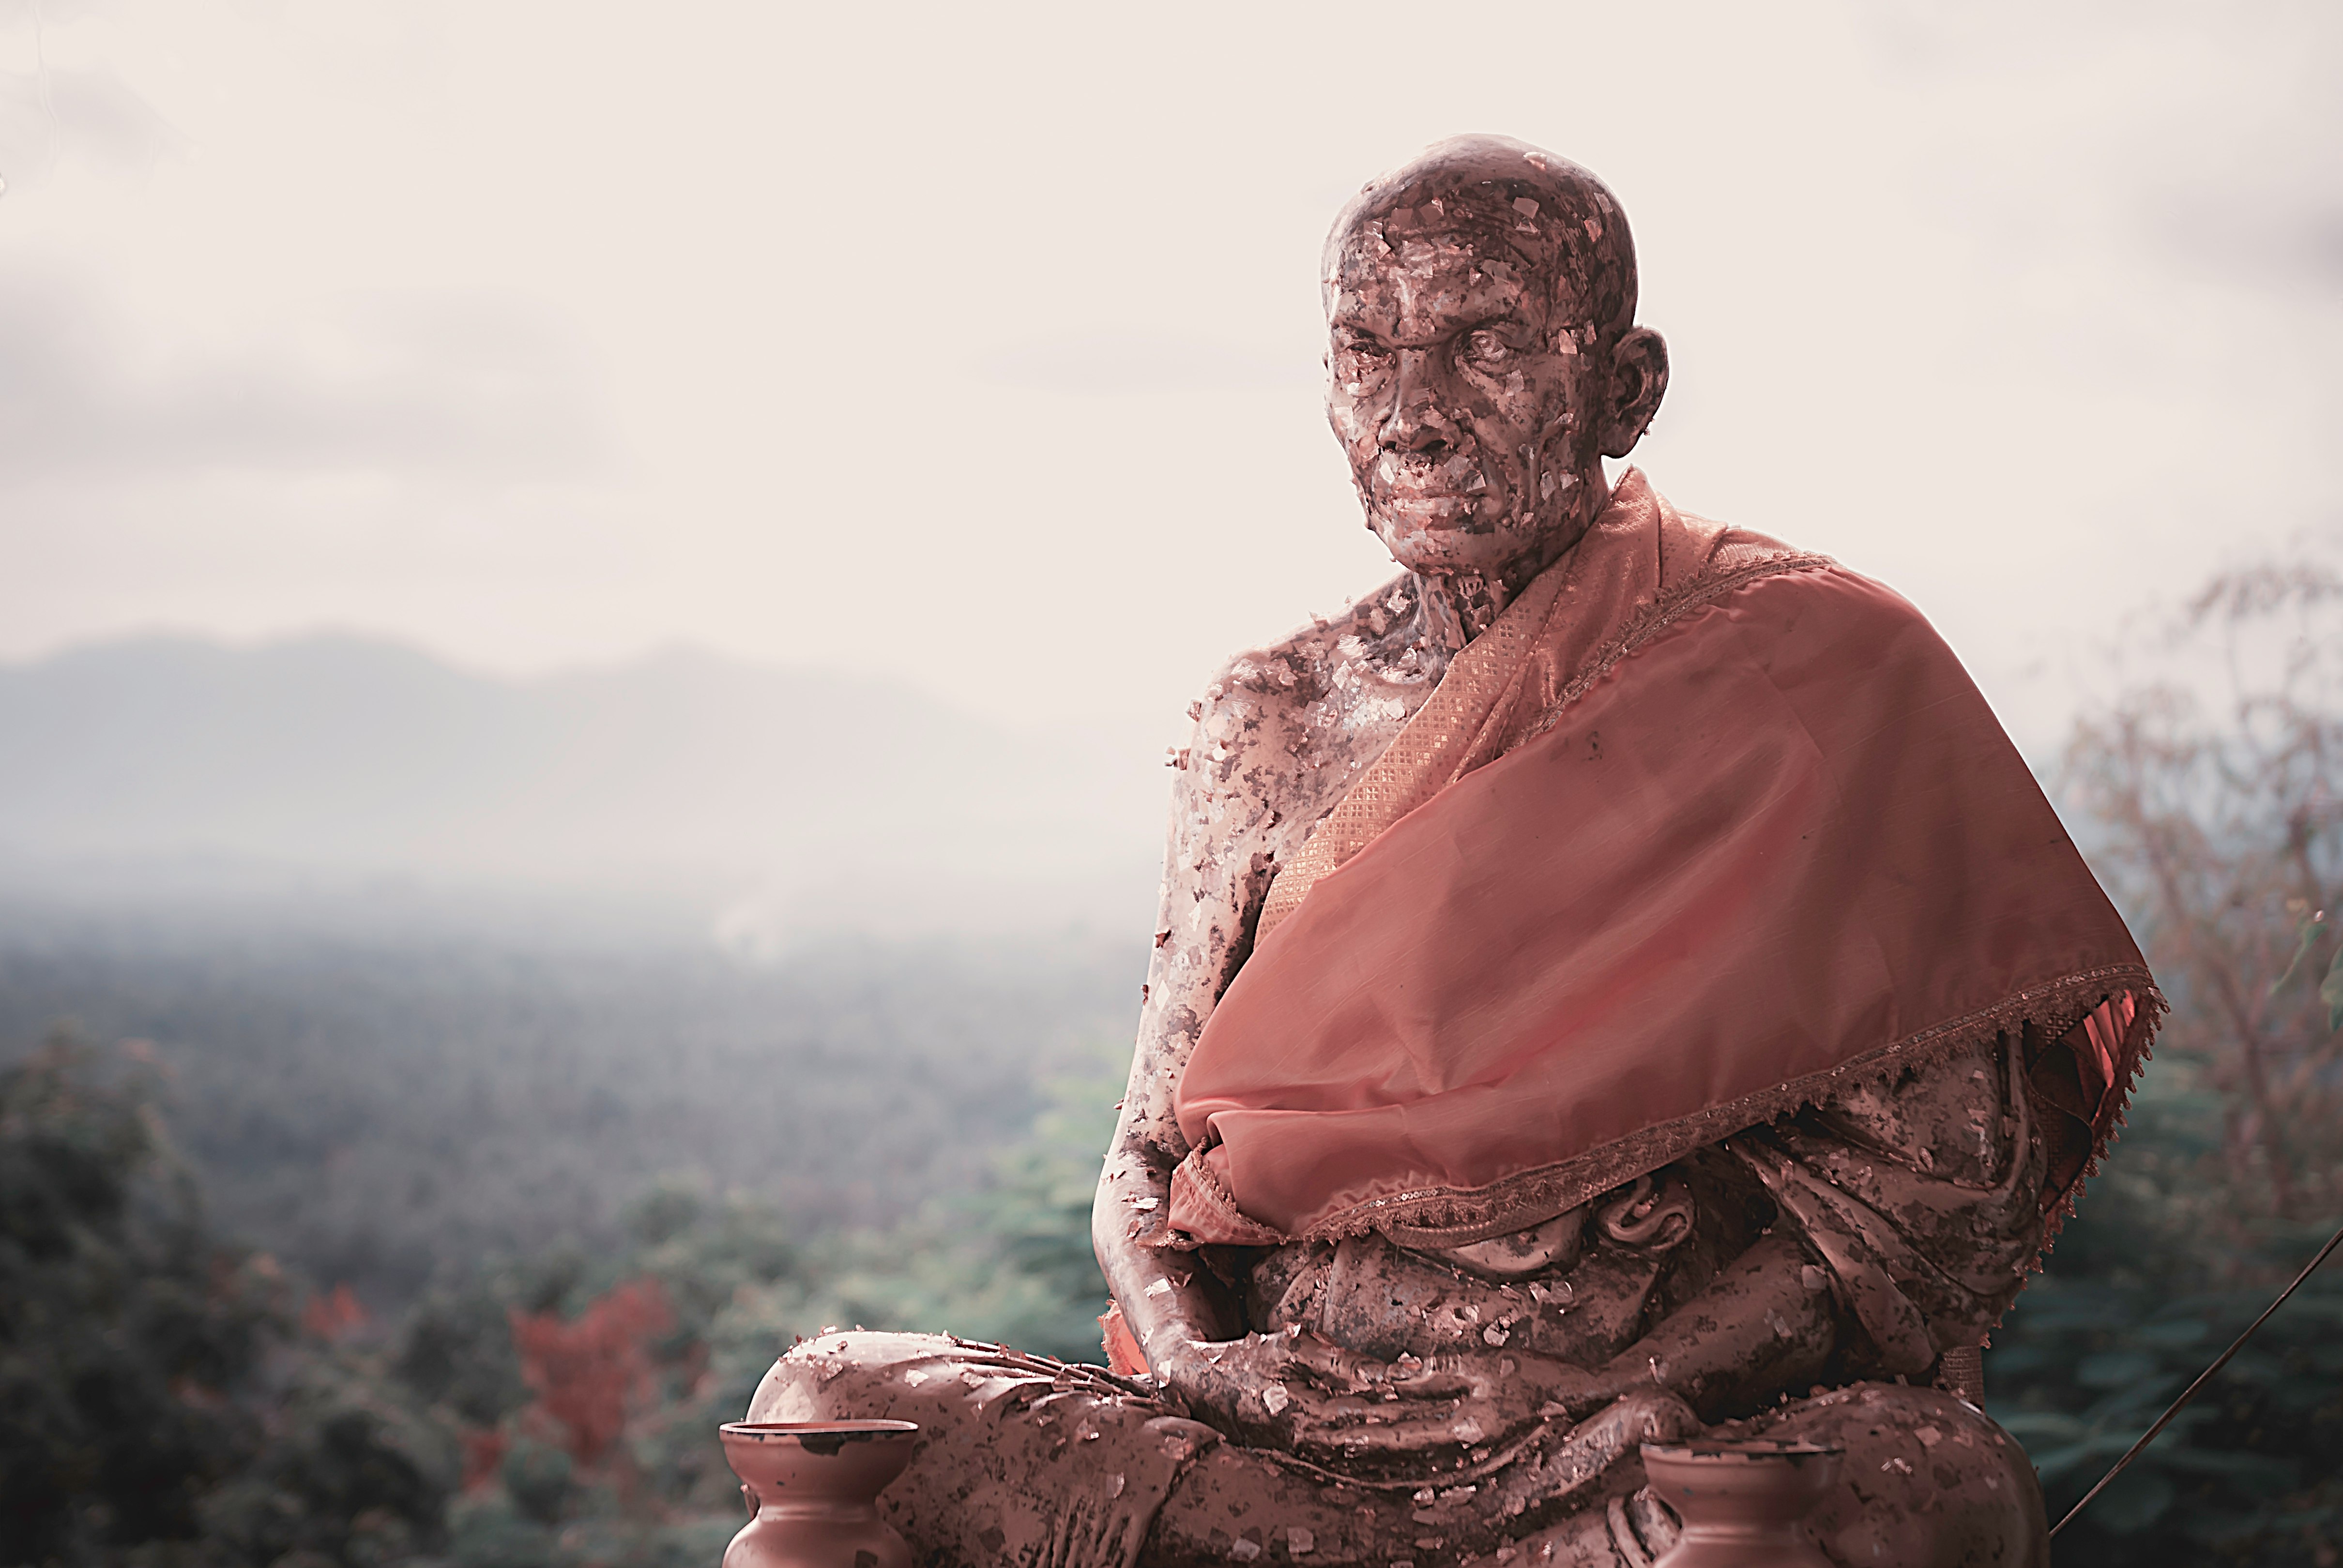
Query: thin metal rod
2202	1379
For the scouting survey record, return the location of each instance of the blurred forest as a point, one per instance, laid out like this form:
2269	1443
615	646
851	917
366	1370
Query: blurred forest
321	1250
2206	797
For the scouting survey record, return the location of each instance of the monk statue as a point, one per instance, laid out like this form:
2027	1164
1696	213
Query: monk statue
1615	983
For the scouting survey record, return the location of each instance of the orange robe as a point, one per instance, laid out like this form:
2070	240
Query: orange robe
1702	829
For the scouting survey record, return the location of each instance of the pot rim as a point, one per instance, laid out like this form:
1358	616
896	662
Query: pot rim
771	1431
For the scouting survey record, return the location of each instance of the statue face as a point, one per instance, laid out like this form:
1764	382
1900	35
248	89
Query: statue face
1466	389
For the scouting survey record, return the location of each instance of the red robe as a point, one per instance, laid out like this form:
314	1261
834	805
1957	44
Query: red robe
1700	828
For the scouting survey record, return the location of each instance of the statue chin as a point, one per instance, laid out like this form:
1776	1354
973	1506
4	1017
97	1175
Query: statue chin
1428	535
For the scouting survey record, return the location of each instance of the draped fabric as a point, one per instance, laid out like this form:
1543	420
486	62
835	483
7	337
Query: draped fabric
1699	830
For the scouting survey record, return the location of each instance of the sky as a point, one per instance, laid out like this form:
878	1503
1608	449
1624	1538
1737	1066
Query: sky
979	347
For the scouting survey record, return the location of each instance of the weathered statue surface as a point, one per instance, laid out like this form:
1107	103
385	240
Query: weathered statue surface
1614	983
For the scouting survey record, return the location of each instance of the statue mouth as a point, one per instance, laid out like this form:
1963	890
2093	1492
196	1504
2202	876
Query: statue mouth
1430	490
1444	512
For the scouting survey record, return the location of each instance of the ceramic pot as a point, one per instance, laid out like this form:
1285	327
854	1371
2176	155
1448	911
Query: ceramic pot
814	1485
1742	1503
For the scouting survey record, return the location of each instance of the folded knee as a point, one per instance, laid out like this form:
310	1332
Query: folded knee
842	1376
1927	1480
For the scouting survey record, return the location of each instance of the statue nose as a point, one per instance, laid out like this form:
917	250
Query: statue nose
1421	428
1416	423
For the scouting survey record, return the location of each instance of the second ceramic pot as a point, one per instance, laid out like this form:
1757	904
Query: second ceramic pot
814	1487
1742	1503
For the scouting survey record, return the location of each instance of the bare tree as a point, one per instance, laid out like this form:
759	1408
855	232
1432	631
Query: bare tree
2208	798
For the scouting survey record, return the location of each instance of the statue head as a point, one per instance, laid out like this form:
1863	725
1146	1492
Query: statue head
1484	358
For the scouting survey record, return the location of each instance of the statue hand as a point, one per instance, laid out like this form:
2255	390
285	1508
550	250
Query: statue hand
1299	1393
1263	1388
1467	1401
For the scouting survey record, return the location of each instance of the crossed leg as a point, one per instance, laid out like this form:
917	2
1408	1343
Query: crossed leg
1928	1482
1038	1463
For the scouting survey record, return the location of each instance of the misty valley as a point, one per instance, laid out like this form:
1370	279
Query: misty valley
368	1198
508	1229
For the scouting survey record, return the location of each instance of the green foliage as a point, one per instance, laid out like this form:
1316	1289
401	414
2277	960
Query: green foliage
537	1476
1011	1261
138	1411
102	1252
464	1137
456	1351
357	1471
2154	1278
2085	1366
2207	801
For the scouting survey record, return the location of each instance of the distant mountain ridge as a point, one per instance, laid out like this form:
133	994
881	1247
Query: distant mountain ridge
817	796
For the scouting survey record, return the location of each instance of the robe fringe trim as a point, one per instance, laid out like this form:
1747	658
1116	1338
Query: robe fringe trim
1670	609
1444	1217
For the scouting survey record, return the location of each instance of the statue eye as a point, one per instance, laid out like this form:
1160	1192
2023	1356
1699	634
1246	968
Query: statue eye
1485	345
1358	360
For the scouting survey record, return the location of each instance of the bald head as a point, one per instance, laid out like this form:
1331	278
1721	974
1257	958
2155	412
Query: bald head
1517	205
1483	356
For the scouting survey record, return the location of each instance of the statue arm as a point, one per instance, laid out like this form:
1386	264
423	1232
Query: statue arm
1249	786
1217	861
1765	1324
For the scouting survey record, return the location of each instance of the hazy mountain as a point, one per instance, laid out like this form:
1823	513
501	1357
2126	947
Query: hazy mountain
779	800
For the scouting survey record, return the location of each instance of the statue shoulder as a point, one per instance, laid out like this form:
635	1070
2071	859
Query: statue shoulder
1280	726
1267	693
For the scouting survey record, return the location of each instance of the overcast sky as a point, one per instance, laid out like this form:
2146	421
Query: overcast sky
980	344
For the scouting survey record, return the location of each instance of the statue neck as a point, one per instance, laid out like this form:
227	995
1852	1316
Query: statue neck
1457	606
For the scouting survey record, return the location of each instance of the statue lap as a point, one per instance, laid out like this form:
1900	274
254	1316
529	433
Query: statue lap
1038	1463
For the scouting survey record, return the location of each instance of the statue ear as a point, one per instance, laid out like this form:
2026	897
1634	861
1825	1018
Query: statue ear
1639	379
